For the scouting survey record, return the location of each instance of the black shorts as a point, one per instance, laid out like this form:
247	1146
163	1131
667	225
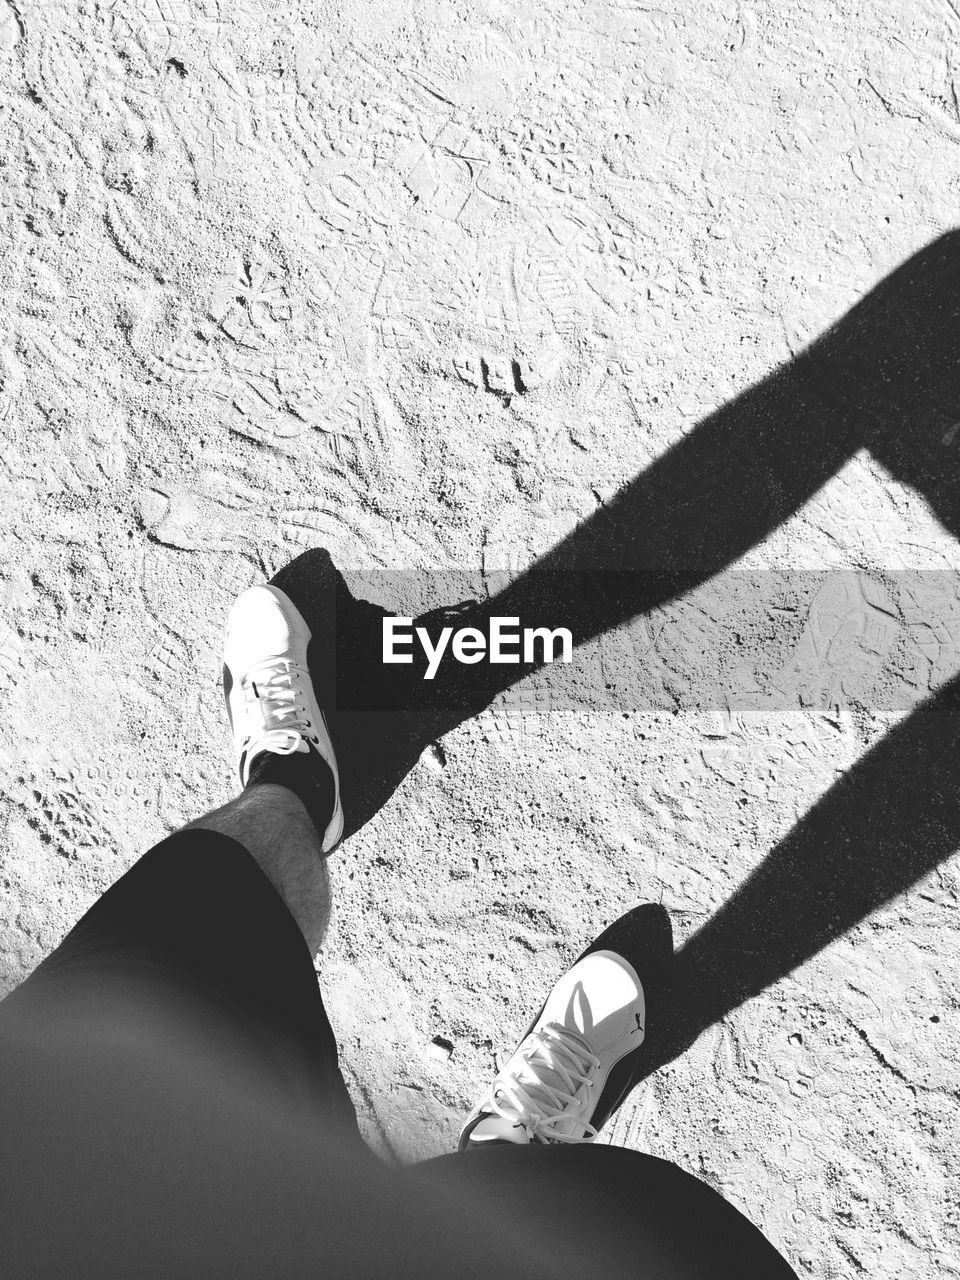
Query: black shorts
171	1105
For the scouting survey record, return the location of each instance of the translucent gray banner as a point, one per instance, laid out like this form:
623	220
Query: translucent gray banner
668	641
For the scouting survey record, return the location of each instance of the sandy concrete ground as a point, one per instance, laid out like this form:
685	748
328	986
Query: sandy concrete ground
426	284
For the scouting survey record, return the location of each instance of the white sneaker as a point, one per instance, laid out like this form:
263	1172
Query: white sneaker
270	696
550	1089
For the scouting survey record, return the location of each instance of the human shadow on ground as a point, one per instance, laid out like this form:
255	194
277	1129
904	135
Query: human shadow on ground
891	819
885	377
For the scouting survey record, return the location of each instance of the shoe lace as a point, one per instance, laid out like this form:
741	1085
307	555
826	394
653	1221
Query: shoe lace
528	1098
274	687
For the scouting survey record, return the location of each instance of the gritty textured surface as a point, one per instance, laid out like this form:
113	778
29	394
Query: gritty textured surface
425	284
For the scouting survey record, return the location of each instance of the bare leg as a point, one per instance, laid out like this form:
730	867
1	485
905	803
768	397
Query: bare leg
272	823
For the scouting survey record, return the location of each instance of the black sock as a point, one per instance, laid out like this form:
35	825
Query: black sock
303	773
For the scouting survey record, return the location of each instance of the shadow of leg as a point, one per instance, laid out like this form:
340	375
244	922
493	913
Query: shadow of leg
889	821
